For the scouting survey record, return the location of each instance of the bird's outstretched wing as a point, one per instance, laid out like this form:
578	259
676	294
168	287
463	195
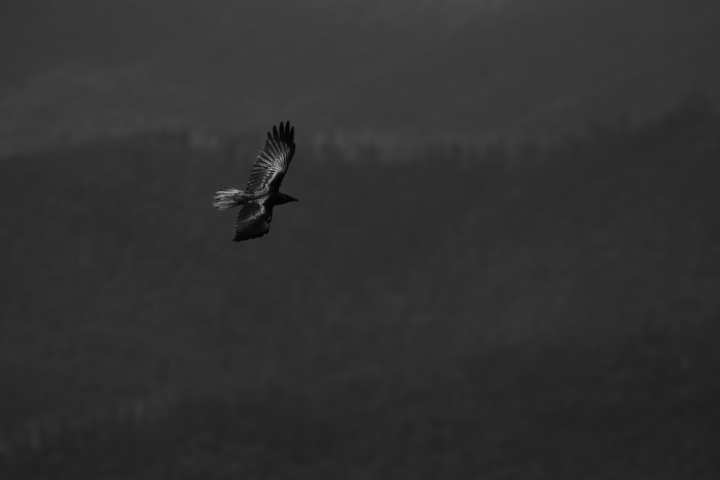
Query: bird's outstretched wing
253	221
273	161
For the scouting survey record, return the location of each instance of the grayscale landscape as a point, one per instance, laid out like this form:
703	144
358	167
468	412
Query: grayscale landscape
504	263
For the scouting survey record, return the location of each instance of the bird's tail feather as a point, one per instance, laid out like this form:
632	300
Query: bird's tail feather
227	197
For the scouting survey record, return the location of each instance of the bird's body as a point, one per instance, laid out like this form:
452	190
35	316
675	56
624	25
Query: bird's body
263	189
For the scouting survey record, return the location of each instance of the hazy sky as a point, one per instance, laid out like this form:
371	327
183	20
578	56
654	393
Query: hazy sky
80	68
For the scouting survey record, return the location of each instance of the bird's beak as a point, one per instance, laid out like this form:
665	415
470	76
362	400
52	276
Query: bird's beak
294	199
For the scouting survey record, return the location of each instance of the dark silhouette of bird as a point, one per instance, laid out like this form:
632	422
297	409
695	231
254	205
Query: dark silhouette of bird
263	189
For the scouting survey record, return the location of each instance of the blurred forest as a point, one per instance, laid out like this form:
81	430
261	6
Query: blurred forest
547	313
504	262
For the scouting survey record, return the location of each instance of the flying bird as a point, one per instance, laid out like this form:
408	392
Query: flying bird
263	189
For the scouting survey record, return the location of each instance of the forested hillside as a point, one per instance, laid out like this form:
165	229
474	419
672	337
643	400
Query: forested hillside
550	312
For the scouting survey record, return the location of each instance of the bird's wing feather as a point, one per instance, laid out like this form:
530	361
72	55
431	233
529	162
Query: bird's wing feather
273	161
253	221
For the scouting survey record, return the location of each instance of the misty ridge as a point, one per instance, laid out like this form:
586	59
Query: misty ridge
504	262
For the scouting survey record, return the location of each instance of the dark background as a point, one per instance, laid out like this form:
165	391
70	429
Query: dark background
504	263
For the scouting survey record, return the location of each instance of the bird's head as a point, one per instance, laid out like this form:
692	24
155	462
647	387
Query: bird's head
282	198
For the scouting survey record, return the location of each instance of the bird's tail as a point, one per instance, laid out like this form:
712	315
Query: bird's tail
228	197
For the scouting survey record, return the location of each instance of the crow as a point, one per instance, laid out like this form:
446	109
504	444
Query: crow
263	189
